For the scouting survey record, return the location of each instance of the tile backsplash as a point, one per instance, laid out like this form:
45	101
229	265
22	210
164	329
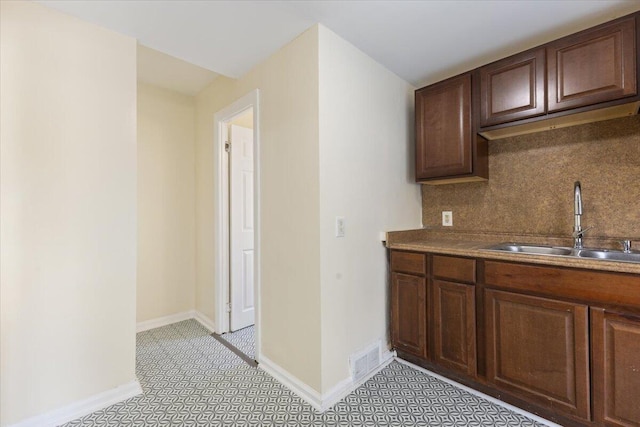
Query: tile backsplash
530	187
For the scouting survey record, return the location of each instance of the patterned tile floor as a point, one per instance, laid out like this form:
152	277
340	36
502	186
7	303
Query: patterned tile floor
244	340
190	379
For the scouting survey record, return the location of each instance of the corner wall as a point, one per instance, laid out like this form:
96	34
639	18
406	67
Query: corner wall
366	176
68	210
166	283
290	242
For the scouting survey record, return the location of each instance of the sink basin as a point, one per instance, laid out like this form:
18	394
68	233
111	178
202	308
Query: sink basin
599	254
609	255
532	249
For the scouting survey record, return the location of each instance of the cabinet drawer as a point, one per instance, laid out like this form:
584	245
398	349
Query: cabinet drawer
454	268
588	285
409	262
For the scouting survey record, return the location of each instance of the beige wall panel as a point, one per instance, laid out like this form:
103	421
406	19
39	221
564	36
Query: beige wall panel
290	247
166	203
68	211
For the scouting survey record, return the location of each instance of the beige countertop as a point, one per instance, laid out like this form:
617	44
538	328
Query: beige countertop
474	245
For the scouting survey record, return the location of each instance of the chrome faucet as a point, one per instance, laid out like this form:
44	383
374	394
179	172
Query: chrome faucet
578	231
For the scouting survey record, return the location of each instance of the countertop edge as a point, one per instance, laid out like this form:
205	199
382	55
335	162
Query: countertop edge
473	249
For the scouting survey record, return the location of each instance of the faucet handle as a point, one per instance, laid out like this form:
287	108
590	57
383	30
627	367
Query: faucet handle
626	246
581	232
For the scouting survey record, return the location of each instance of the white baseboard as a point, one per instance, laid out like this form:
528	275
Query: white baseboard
482	395
165	320
175	318
204	320
319	402
306	393
83	407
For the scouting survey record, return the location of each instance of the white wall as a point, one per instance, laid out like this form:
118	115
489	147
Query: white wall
166	203
336	136
68	210
290	246
366	176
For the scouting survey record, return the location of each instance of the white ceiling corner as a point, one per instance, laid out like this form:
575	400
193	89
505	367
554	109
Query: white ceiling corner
166	71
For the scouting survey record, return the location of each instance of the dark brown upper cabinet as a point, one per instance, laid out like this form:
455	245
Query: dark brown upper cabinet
446	140
593	66
585	77
513	88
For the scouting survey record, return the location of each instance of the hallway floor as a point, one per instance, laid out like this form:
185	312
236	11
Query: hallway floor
190	379
244	340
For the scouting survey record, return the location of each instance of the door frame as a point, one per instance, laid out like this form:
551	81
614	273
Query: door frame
221	210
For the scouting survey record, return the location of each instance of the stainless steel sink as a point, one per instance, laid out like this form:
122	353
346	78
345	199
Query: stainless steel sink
531	249
598	254
609	255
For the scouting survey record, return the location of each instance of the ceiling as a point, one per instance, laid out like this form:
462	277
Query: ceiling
160	69
421	41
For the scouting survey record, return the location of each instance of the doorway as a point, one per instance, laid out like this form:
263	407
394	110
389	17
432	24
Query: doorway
239	148
236	157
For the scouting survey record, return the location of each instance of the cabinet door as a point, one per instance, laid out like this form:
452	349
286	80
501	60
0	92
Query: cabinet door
513	88
409	313
454	326
593	66
443	129
616	368
538	348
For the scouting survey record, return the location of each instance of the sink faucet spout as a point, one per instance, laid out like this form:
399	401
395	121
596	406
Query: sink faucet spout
577	198
578	231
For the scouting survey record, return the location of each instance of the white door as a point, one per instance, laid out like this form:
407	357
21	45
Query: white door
241	227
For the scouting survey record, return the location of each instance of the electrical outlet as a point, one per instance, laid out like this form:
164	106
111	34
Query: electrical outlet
447	218
339	226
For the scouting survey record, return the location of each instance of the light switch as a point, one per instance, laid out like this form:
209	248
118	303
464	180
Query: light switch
339	226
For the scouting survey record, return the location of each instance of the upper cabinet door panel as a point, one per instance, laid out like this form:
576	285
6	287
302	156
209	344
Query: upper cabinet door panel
593	66
513	88
443	129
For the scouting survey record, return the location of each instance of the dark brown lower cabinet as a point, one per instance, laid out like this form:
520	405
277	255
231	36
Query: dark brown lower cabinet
454	325
538	348
409	313
560	342
616	367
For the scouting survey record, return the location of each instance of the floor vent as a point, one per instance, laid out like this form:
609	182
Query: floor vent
365	361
